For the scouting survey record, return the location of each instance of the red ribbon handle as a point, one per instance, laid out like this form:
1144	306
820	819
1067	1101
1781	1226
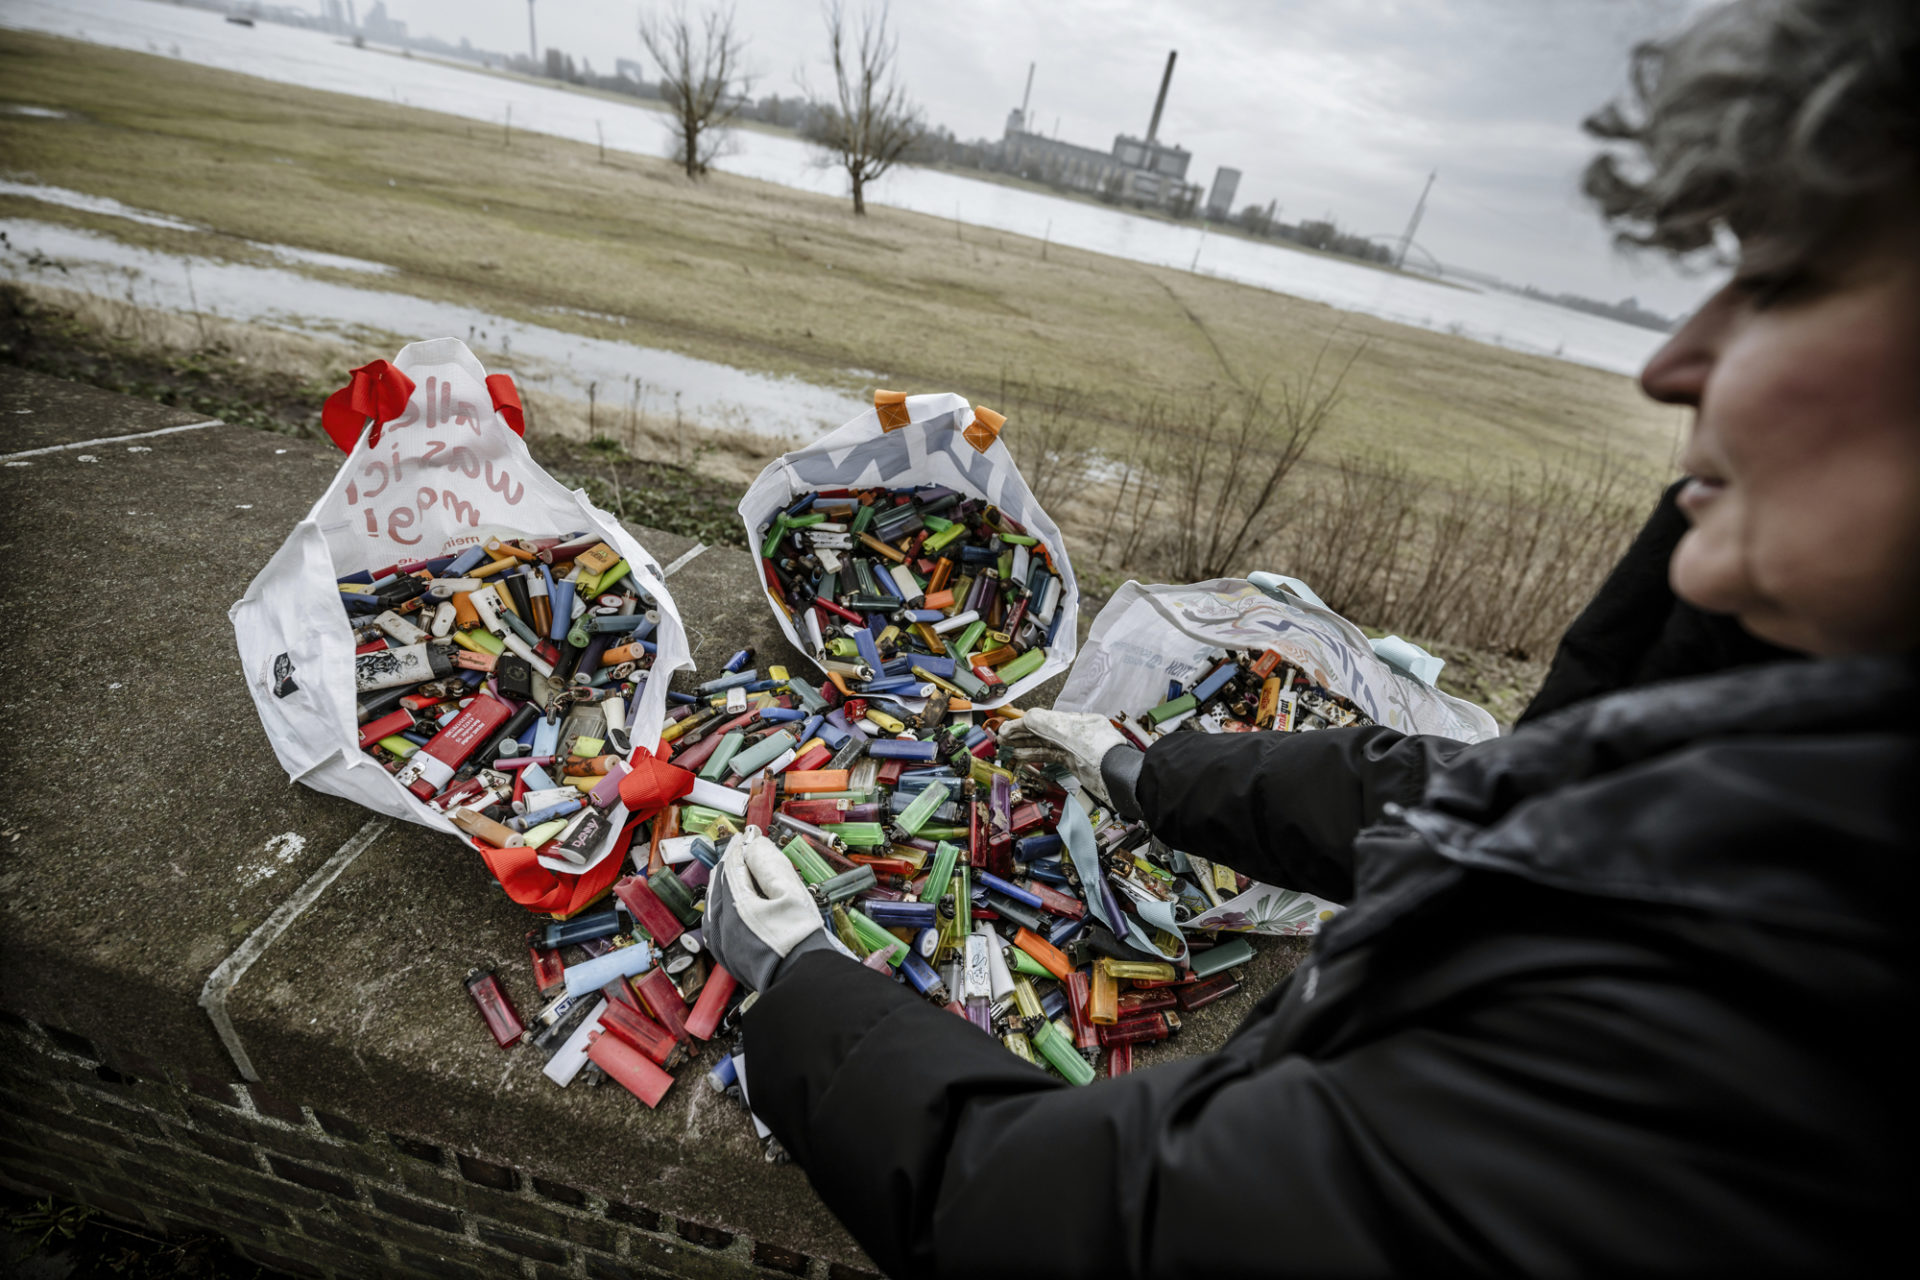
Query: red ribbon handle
506	402
649	787
376	393
538	889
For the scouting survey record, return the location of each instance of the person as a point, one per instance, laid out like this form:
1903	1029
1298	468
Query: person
1617	992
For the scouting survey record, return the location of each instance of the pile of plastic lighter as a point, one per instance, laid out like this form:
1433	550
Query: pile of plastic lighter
1243	692
473	669
997	890
937	864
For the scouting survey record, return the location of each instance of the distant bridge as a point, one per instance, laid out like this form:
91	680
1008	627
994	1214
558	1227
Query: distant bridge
1422	260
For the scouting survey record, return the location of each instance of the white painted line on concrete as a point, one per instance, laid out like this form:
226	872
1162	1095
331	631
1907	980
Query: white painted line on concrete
220	983
88	444
681	562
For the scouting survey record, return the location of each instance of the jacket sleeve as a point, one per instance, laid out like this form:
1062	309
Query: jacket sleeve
1543	1127
1283	807
945	1155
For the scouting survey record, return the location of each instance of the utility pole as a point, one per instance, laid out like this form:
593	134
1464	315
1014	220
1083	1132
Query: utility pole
533	42
1413	224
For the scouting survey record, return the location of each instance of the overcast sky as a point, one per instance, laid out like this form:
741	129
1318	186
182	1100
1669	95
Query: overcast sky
1335	107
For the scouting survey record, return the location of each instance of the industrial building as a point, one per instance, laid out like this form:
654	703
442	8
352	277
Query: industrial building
1138	171
1226	184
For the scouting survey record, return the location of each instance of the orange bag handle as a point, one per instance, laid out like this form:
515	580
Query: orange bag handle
891	407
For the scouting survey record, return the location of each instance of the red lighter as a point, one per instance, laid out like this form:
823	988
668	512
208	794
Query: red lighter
631	1068
549	971
645	906
712	1004
491	998
642	1033
432	767
664	1001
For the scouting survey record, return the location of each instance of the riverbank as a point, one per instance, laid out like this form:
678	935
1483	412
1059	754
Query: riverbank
758	277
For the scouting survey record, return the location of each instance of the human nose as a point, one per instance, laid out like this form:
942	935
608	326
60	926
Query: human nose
1678	371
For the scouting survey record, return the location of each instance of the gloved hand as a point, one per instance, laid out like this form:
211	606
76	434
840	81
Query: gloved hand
759	912
1079	740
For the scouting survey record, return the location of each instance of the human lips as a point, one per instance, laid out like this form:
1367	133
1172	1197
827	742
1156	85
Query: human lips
1704	484
1699	493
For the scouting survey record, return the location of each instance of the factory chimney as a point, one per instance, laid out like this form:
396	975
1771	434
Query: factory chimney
1160	103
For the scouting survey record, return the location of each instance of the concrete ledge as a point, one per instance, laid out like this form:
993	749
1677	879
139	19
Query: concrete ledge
146	830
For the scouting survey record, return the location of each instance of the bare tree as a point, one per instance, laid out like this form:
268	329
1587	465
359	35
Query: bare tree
871	123
700	78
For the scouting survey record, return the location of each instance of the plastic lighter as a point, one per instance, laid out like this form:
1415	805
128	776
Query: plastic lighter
664	1001
497	1011
1223	955
622	962
630	1068
548	969
432	767
1103	997
1061	1055
646	908
644	1034
712	1003
1044	953
979	982
568	1060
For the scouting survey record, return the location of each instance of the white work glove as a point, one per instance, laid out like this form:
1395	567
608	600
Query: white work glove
1078	740
759	911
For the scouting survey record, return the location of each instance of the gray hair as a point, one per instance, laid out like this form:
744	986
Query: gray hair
1770	117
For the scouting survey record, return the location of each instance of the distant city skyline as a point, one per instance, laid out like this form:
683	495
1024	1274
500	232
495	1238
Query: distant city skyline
1329	107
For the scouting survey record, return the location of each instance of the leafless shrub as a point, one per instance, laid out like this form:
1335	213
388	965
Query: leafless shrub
1130	531
1350	528
700	79
1047	437
1500	563
1225	459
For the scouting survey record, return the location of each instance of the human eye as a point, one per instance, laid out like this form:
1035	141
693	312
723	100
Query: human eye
1762	289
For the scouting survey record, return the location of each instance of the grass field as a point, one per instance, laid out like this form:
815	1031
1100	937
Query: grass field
753	275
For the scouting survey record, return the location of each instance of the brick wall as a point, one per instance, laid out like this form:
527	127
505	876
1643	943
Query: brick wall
314	1194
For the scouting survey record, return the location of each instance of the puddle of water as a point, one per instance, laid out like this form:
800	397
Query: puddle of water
71	199
90	204
314	257
705	393
39	113
622	321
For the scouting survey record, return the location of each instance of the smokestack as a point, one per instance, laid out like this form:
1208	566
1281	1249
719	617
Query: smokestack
1160	103
1028	94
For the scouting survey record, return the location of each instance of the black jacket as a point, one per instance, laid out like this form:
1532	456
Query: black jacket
1619	992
